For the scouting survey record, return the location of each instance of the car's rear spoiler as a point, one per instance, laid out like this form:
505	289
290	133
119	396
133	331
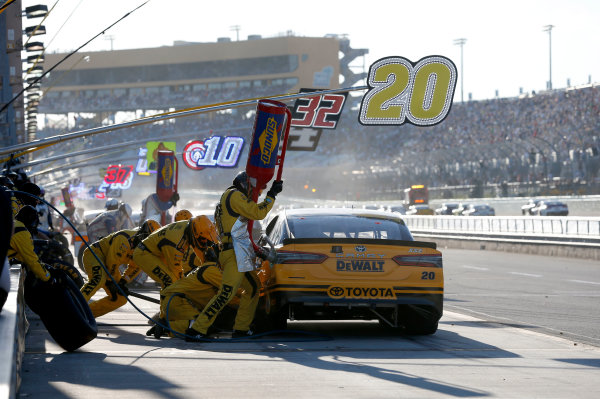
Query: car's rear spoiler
420	244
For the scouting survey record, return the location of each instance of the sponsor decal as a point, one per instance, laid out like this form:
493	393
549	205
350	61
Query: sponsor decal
360	266
216	151
360	248
268	141
360	292
401	91
359	255
220	302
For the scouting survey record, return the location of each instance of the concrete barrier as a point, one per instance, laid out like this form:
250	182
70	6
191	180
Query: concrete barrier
13	327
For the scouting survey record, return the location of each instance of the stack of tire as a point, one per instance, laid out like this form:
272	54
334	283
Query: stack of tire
62	308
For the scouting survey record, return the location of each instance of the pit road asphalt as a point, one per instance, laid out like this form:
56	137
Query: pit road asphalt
467	357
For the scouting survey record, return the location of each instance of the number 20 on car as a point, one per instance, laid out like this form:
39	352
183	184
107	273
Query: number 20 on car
401	91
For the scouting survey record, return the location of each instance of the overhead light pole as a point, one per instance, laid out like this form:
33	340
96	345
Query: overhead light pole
461	42
548	28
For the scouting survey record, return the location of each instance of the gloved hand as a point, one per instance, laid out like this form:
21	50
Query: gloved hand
262	253
123	286
276	188
112	289
174	198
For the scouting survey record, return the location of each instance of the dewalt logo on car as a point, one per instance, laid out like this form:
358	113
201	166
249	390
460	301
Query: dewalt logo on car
268	141
360	292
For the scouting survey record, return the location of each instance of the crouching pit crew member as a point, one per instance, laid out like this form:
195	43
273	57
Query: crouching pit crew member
114	250
231	215
183	300
161	255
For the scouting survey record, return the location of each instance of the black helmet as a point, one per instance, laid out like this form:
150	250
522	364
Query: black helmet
241	182
30	188
29	217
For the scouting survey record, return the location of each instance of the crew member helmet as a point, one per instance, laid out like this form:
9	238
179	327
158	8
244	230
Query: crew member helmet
29	217
149	227
241	182
203	232
111	204
183	214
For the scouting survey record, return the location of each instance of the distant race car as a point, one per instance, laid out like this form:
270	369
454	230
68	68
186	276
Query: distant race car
479	210
527	209
419	210
446	208
341	263
550	208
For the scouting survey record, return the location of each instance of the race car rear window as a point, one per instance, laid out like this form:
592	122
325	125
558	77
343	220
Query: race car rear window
337	226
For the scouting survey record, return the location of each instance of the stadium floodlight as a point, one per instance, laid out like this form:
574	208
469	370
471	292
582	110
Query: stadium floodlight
548	28
38	59
461	42
37	11
35	30
34	46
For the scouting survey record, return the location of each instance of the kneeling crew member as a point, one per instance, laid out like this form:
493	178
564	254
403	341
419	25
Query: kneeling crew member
235	205
114	250
161	255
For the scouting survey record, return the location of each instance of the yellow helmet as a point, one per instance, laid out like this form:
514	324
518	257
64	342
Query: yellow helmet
149	227
203	232
183	214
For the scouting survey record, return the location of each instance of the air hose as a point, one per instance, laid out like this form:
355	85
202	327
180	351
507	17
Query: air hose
167	327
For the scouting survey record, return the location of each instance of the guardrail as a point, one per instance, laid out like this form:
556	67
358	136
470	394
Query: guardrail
552	236
566	226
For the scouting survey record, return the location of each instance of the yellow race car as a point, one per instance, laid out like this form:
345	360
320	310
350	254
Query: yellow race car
341	263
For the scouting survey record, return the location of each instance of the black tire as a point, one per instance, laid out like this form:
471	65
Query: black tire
71	271
418	320
63	310
80	257
61	239
49	250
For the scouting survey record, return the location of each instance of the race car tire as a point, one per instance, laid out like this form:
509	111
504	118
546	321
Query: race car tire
80	258
71	271
63	310
48	250
61	239
418	319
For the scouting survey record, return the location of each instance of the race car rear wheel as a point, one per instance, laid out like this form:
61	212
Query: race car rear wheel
418	319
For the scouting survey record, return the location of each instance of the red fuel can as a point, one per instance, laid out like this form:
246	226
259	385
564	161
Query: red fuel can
270	133
167	175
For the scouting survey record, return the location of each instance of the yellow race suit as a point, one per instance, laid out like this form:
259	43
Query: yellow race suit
186	297
234	204
21	248
161	255
113	251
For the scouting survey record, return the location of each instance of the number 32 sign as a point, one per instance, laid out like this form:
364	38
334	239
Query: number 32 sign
401	92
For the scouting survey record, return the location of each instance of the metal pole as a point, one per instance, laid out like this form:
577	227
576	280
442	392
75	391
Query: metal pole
460	42
548	28
168	115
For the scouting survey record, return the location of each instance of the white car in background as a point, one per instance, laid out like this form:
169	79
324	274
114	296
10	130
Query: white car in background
479	210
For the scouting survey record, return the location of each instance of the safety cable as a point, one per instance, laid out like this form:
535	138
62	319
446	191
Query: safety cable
167	327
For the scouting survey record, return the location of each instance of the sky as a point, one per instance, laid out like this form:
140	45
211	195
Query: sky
507	48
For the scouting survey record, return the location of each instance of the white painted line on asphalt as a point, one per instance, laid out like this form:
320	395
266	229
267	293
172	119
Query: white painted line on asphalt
584	282
525	274
475	267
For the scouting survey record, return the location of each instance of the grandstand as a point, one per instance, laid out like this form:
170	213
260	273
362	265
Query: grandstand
537	144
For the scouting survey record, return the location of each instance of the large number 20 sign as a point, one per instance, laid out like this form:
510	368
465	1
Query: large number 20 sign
402	92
